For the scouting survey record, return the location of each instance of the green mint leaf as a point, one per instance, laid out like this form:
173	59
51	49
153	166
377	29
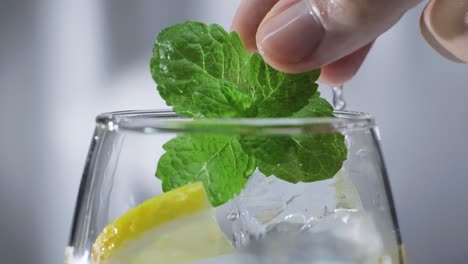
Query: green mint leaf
203	71
191	63
216	160
304	158
278	94
317	107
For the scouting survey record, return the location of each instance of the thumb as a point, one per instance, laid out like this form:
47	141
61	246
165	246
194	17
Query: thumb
300	35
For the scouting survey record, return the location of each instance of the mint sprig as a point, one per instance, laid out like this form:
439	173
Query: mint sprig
204	72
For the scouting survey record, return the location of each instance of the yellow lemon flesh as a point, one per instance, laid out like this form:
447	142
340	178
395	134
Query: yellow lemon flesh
178	226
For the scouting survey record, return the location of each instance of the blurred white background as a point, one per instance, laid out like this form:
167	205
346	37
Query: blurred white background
63	62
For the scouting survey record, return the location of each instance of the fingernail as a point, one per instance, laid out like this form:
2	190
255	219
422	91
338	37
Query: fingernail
290	36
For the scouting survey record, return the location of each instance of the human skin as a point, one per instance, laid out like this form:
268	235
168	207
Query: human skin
336	35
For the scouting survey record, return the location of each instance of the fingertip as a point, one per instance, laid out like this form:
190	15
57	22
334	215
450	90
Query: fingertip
344	69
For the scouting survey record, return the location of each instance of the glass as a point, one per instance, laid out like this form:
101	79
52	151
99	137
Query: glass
349	218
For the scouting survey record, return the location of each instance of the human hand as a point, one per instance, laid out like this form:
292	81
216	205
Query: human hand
300	35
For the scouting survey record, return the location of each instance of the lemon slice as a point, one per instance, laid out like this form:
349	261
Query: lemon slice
178	226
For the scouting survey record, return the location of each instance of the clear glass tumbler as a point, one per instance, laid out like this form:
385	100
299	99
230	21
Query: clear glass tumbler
349	218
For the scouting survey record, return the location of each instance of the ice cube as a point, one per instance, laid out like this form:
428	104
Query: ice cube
268	200
340	237
274	221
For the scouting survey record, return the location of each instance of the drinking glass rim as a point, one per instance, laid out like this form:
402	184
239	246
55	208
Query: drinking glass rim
165	120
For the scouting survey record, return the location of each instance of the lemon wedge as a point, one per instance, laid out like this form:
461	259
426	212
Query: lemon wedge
178	226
